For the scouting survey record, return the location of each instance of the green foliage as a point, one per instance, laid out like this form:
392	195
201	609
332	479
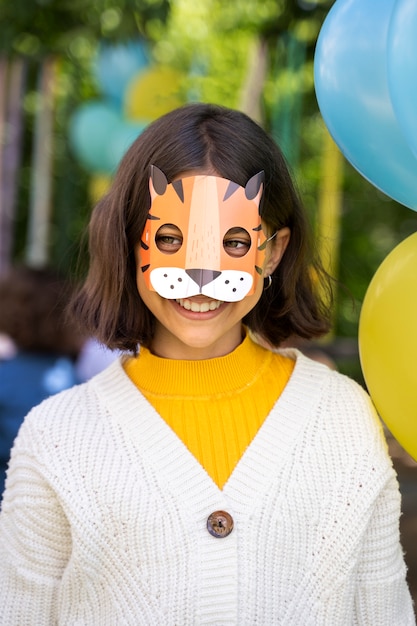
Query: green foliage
36	28
70	31
372	226
211	42
371	223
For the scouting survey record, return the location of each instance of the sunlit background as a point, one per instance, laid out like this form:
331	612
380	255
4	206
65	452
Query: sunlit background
80	79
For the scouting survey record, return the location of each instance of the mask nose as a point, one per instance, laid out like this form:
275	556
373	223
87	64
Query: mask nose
203	277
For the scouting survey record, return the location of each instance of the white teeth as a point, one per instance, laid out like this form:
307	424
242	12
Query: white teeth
199	307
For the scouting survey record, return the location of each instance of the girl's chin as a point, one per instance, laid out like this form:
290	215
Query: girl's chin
196	344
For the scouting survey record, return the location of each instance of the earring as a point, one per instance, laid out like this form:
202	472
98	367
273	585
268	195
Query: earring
266	287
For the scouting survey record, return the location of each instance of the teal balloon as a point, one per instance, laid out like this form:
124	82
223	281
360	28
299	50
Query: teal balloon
351	83
89	131
402	68
120	139
117	64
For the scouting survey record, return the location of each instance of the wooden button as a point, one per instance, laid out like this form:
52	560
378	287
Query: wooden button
220	524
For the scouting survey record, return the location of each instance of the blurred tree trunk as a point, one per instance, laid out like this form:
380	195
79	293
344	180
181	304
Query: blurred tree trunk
12	82
250	100
287	111
5	235
37	251
330	208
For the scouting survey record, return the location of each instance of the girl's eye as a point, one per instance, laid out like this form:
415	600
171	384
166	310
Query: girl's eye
168	239
237	242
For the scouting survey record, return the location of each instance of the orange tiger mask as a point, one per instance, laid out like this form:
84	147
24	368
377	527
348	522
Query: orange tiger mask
203	209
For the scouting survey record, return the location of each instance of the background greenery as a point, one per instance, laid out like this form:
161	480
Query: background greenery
256	55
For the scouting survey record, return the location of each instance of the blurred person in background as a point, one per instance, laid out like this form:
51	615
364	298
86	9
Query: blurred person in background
39	347
94	357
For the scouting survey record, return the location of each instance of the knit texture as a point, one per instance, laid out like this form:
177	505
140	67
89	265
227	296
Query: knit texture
104	515
215	406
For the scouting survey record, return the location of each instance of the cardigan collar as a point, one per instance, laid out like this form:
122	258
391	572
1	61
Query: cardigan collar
174	463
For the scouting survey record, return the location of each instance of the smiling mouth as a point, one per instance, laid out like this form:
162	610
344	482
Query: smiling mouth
199	307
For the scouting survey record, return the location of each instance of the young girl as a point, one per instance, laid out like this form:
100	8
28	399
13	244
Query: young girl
203	478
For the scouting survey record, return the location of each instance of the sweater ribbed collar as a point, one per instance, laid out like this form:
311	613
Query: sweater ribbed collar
231	372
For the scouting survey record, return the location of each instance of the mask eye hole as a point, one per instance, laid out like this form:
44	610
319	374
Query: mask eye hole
168	239
237	242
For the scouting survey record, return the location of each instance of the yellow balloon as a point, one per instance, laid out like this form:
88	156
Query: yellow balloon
388	342
99	186
153	93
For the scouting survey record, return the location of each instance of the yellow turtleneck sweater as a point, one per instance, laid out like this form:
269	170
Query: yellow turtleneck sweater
215	406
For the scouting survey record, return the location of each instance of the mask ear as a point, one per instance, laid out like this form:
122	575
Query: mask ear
158	180
254	185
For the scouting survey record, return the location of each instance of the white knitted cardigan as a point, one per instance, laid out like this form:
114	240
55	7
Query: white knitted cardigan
104	516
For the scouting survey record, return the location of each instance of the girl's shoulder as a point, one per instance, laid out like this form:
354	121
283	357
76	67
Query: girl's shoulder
310	370
336	399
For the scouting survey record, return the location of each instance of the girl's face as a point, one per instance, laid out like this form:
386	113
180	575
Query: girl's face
203	236
200	327
196	279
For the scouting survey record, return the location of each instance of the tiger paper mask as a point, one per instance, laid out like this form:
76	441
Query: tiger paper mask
202	210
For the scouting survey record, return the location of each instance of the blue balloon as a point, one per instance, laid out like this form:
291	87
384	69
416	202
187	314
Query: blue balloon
402	68
120	139
89	131
351	82
117	64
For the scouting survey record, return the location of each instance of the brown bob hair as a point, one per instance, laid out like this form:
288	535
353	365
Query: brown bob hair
210	138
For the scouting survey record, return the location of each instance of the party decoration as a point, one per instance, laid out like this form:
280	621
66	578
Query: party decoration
99	136
99	185
350	72
119	140
89	131
153	93
402	68
388	342
133	95
117	64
